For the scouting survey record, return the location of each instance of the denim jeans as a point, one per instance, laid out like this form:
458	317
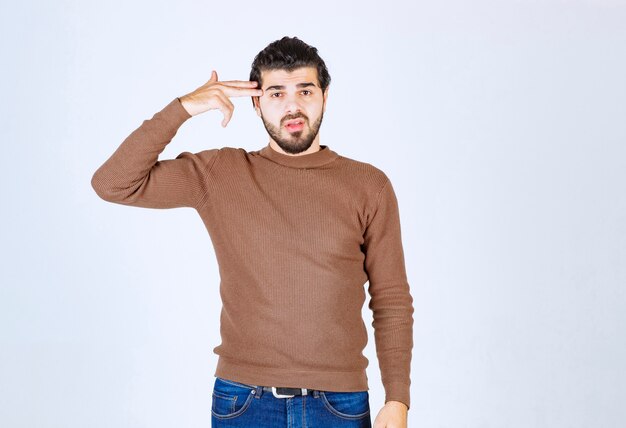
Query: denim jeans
237	404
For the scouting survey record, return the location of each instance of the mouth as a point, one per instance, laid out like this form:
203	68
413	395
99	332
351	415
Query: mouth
295	125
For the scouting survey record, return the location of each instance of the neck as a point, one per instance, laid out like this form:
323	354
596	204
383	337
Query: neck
315	147
308	159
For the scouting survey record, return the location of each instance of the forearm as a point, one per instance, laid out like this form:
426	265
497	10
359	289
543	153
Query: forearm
393	331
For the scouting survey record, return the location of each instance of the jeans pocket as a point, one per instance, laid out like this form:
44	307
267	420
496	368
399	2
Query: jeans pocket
230	399
347	405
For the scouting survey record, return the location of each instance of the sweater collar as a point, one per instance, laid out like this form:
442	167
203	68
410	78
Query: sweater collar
310	160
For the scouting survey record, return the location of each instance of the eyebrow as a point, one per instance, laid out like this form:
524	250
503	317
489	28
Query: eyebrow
299	85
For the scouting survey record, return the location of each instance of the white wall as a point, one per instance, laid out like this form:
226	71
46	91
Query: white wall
501	125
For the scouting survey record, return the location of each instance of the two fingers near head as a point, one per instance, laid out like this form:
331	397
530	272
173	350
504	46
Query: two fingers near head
238	88
235	88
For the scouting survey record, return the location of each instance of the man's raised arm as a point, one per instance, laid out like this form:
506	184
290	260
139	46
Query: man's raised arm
133	175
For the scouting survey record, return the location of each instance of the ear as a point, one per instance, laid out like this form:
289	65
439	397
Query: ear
257	107
326	97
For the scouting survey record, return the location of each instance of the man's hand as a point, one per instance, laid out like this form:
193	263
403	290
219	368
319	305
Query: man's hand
214	95
393	415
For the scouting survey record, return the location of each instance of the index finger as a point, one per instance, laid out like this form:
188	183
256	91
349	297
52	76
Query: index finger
239	83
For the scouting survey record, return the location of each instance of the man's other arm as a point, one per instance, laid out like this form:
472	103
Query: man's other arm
391	301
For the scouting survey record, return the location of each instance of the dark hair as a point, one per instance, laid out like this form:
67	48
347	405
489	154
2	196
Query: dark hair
288	54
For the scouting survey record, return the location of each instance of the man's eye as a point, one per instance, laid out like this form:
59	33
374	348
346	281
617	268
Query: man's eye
275	93
306	90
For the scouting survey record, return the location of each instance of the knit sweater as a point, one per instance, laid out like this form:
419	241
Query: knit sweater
296	239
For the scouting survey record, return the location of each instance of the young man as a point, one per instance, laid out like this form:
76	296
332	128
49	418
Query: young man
297	230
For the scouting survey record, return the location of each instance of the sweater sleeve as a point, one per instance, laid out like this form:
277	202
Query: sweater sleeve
133	175
391	301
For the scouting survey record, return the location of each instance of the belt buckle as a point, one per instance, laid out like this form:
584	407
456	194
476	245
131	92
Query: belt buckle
277	395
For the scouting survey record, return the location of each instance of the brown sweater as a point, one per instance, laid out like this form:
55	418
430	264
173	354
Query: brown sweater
296	239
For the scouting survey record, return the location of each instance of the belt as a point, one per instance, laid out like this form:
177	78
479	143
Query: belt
281	392
286	392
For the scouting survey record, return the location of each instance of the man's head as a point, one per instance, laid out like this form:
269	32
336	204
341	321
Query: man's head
295	85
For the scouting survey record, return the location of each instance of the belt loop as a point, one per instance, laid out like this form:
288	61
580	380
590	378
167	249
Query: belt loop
258	392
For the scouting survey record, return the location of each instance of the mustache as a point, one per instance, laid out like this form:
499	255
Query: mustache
295	116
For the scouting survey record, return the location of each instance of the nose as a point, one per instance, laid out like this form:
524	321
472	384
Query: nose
291	104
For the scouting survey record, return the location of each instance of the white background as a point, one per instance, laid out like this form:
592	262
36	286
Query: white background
501	125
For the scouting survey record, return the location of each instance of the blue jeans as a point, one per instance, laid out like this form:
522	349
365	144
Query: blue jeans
237	404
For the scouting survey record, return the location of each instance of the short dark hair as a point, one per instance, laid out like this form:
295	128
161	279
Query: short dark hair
288	54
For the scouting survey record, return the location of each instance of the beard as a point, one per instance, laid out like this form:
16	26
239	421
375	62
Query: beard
295	142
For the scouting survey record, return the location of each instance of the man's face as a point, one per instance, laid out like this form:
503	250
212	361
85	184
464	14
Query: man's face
292	107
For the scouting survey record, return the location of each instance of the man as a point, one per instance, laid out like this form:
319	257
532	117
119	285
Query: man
297	230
